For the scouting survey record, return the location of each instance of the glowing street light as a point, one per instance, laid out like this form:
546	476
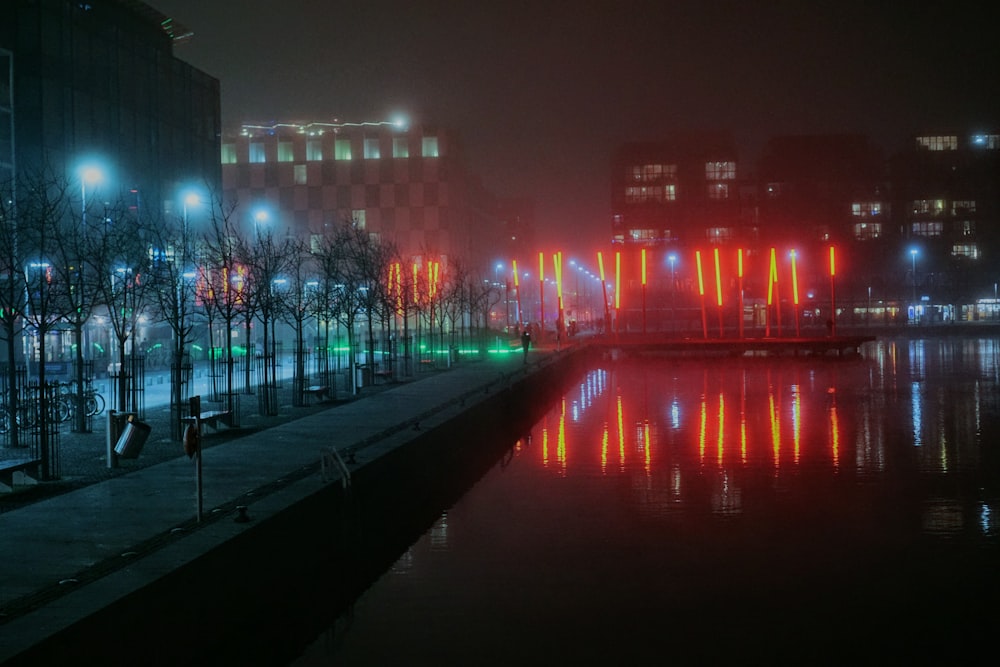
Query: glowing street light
643	290
833	301
913	278
795	294
701	292
261	216
93	175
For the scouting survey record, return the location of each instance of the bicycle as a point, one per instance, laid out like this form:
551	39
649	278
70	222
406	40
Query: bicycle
93	401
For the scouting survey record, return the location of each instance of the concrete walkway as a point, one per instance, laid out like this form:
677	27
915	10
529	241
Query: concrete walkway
63	558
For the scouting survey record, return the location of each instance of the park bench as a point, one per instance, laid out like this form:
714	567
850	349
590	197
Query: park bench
19	471
210	418
316	391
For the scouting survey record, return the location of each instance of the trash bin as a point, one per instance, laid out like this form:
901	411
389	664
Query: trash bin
132	439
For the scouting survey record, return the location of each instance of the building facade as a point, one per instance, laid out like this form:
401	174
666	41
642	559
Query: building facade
97	83
405	185
917	235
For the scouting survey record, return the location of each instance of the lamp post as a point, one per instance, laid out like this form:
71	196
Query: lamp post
672	258
913	281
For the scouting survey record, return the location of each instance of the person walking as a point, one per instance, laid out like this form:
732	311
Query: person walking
525	342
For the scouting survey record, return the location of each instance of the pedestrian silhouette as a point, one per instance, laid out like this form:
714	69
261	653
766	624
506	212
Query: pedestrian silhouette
525	343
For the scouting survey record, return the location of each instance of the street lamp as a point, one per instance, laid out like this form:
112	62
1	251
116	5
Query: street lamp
913	277
261	216
190	200
89	174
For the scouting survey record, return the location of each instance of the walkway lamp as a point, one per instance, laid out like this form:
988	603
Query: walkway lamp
795	293
739	276
643	290
701	292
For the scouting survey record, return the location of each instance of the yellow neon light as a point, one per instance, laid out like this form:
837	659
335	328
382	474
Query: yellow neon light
795	282
600	264
701	280
833	267
644	267
718	279
618	280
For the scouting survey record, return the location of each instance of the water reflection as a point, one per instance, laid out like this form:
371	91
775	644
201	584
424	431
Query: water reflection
659	487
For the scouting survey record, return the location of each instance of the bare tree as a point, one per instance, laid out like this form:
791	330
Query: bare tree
223	286
267	260
13	302
300	301
120	259
43	212
345	264
173	270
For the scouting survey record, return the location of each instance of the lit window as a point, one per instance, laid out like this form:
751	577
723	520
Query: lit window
865	209
430	147
642	234
342	149
315	243
718	191
965	228
719	234
961	207
939	143
358	216
648	173
987	141
866	231
314	150
400	147
638	194
300	174
228	153
372	151
285	151
928	206
970	250
927	228
256	152
720	171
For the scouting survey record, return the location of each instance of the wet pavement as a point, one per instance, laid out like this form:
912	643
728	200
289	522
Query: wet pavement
74	545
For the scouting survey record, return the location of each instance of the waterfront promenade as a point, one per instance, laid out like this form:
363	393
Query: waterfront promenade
66	556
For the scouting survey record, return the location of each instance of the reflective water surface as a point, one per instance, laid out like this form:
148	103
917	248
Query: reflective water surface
788	510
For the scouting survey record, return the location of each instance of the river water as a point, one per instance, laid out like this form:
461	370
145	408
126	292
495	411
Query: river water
757	509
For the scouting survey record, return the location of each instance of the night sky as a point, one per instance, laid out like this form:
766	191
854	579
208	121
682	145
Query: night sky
542	92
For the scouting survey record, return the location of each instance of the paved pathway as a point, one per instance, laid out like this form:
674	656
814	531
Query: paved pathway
67	556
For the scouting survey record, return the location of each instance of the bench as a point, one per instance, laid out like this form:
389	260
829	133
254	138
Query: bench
316	391
19	472
211	418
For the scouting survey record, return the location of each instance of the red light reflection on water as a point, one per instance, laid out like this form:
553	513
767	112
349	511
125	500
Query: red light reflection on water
653	422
